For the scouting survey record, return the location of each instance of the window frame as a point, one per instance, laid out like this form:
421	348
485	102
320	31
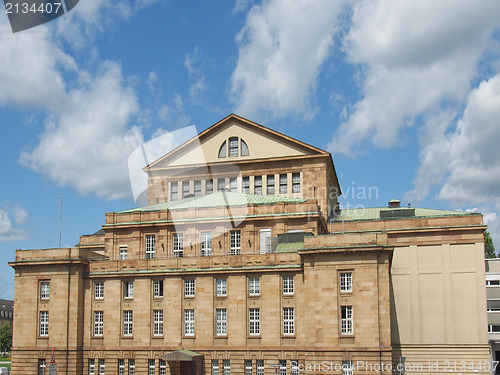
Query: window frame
151	367
157	322
209	186
44	290
254	290
121	366
283	181
221	287
123	251
234	146
288	321
178	245
197	188
189	288
235	242
99	290
174	190
245	185
128	323
345	278
42	366
128	289
346	320
257	185
288	287
221	322
296	185
158	288
270	185
215	367
98	323
206	243
43	323
150	246
189	327
254	321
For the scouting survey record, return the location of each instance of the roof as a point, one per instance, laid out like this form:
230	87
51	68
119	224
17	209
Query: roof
220	198
373	213
181	355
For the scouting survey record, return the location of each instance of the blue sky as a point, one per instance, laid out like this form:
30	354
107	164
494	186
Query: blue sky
404	94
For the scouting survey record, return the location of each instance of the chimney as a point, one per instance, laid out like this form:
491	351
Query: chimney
394	203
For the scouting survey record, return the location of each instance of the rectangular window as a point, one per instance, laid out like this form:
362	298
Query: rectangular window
221	287
287	285
288	321
265	240
44	290
102	367
215	367
254	286
246	185
150	246
294	367
254	321
178	245
128	289
221	322
283	184
128	318
492	328
221	184
44	323
157	288
151	367
206	244
209	186
248	367
41	366
346	282
91	366
257	185
163	367
98	323
197	188
189	288
188	322
121	367
185	189
270	184
347	368
233	185
233	146
346	326
260	367
282	364
235	242
174	191
227	367
98	290
123	252
131	367
295	182
157	322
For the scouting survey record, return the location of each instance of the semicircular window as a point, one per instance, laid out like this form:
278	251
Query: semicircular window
222	150
244	148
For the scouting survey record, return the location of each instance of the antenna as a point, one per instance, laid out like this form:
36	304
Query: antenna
60	220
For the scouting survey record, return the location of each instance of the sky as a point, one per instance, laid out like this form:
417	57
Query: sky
404	94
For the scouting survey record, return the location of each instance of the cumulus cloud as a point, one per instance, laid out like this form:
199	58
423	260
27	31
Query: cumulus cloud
8	231
281	49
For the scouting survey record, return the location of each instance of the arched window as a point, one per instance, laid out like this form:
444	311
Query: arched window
222	150
233	147
244	148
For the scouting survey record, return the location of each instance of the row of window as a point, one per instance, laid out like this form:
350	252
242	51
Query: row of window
101	367
272	185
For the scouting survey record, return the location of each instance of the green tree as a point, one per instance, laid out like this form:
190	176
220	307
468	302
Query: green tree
489	248
5	336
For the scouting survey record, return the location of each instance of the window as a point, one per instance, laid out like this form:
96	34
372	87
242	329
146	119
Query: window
91	366
102	367
288	321
248	367
235	242
128	289
270	184
157	322
206	244
346	320
346	282
233	146
260	367
209	187
493	328
222	150
265	241
128	318
174	191
98	323
178	245
131	367
227	367
221	287
294	367
254	321
189	288
157	288
197	188
121	367
295	182
151	367
246	185
257	185
123	252
44	290
283	184
492	282
244	148
233	185
347	368
185	189
254	286
41	366
163	367
44	323
282	364
221	322
188	322
287	285
150	246
215	367
98	290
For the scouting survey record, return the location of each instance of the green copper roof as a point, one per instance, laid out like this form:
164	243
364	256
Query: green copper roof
220	198
289	247
373	213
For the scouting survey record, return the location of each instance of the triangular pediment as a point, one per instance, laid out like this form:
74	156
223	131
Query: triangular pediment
261	142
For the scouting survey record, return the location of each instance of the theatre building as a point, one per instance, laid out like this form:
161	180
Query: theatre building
242	262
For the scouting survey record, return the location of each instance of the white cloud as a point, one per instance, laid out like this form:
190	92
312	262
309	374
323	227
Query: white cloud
282	47
193	64
416	56
20	215
9	232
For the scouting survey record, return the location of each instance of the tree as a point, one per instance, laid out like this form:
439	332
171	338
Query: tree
489	248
